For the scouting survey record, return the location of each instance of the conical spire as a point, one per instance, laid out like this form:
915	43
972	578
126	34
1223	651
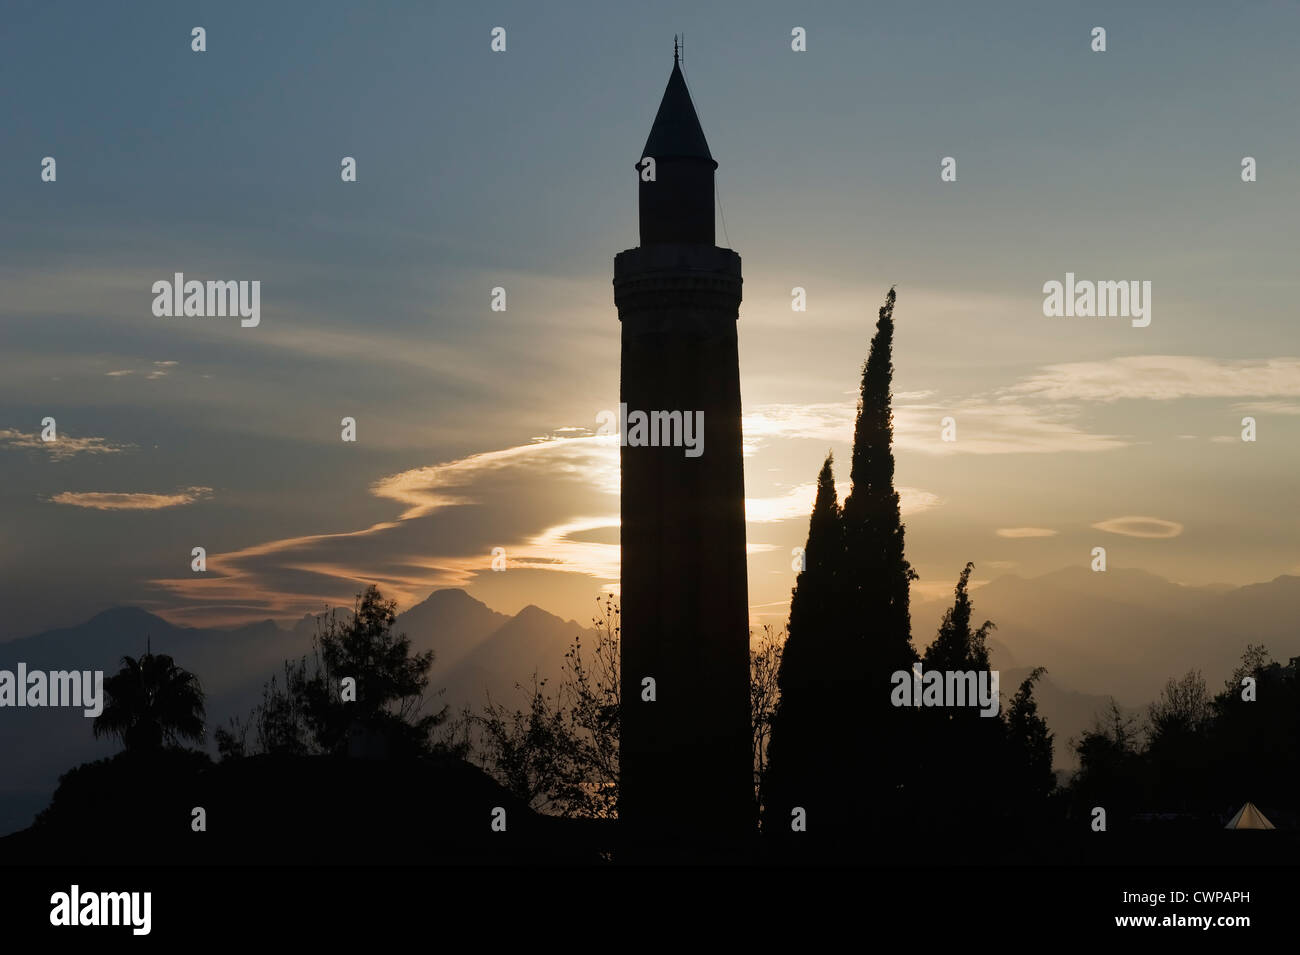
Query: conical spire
676	133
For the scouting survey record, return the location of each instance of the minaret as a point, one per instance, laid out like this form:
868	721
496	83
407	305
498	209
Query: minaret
686	762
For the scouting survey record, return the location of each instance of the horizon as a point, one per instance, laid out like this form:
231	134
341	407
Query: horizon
288	624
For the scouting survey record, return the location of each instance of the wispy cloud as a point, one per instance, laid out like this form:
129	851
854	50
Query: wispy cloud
1163	378
1268	407
409	556
156	370
64	446
985	425
403	557
1153	527
130	501
1017	532
797	503
424	490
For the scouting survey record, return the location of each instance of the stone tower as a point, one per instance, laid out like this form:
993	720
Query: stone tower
686	773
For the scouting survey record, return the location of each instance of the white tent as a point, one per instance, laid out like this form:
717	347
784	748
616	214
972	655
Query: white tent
1248	817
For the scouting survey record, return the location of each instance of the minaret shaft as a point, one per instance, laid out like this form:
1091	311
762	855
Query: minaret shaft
686	759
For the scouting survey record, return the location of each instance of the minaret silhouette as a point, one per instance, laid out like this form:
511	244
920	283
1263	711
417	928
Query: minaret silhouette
686	762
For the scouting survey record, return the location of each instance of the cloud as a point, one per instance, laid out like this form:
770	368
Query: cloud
532	499
823	421
797	503
1163	378
158	369
1152	527
556	548
524	498
913	500
1268	407
1017	532
1035	416
592	458
62	447
985	425
120	501
996	427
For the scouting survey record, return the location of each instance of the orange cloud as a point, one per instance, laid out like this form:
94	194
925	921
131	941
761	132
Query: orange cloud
1152	527
64	446
122	501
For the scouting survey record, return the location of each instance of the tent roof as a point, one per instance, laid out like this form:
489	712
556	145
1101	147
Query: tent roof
1248	817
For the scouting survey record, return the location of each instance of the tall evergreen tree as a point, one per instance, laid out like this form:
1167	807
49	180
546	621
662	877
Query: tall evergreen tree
810	651
876	577
1029	745
806	732
957	764
957	647
874	582
839	749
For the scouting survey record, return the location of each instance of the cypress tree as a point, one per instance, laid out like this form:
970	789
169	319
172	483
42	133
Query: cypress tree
874	583
959	771
838	747
956	647
1029	743
802	760
876	577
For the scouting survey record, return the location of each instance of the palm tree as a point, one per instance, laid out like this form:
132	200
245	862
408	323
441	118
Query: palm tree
151	702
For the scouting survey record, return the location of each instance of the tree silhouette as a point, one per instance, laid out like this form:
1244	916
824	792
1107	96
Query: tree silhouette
310	715
1177	755
838	746
559	750
876	577
1256	742
875	581
959	744
1029	744
812	664
387	714
764	693
1110	765
957	647
151	703
560	754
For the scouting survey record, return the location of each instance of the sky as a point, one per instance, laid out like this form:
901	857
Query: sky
479	169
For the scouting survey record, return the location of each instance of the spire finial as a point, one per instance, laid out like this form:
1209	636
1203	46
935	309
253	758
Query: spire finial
675	53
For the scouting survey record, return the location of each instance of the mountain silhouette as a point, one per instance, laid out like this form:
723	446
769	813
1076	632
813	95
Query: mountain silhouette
533	641
1123	633
451	623
478	651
